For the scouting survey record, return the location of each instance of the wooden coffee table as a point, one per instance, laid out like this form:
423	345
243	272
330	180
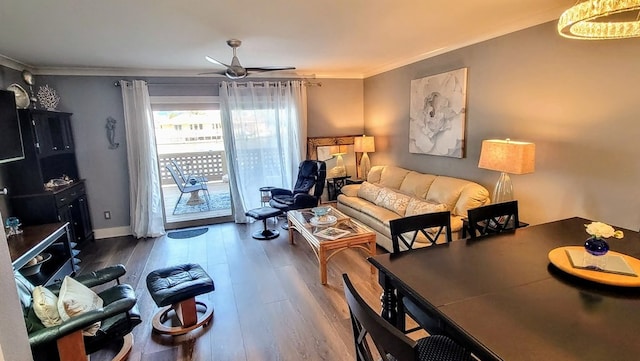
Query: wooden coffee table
358	236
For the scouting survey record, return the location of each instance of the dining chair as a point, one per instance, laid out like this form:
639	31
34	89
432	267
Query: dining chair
406	231
390	342
492	219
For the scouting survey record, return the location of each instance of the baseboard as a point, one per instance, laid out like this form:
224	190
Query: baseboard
112	232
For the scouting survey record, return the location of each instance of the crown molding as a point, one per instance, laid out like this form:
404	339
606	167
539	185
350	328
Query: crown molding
14	64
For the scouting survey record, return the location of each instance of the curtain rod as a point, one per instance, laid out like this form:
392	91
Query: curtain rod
308	83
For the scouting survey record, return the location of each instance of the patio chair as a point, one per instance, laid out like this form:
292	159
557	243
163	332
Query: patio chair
187	177
185	187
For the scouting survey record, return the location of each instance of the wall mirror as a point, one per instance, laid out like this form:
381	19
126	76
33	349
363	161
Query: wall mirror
324	148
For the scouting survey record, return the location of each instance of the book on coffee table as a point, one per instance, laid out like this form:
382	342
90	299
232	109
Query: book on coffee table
331	233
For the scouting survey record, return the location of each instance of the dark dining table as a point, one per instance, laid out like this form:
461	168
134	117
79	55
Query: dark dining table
501	298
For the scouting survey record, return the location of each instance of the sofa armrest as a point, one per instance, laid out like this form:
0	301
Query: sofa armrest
350	190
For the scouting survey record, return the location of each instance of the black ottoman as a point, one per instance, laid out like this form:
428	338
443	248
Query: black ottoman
175	288
262	214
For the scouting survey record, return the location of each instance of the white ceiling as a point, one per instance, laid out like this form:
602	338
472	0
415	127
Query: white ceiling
330	38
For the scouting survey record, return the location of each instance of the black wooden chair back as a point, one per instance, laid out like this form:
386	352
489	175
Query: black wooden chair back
406	231
430	225
389	341
493	218
365	321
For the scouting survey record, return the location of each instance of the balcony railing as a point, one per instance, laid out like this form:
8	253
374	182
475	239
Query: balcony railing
211	164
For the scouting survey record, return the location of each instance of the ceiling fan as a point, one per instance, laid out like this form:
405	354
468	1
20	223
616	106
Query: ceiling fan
236	71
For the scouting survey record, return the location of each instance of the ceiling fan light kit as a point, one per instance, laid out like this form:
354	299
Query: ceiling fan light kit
235	70
601	19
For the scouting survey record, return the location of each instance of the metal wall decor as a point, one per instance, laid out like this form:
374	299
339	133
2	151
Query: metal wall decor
111	133
48	97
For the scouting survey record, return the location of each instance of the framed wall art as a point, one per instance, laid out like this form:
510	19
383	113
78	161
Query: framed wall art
437	114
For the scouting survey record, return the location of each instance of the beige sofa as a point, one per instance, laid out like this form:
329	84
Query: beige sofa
391	192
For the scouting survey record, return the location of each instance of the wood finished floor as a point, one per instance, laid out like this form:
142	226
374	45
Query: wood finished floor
269	303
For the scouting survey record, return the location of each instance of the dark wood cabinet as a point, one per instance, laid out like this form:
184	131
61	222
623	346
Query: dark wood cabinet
52	131
49	154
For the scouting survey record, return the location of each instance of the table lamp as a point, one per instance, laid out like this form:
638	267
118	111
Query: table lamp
507	156
339	170
364	145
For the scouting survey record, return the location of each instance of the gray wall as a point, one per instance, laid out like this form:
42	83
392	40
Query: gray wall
576	100
335	108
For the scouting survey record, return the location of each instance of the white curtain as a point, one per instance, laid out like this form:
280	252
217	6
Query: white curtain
265	134
144	182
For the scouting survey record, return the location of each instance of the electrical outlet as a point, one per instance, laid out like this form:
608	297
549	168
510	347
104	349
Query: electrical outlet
107	215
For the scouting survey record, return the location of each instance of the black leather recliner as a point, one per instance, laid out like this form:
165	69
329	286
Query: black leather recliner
119	316
311	175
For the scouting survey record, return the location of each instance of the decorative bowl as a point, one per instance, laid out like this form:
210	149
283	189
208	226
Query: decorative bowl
29	270
320	211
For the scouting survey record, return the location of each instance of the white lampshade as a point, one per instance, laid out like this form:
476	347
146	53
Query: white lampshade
507	156
364	144
338	150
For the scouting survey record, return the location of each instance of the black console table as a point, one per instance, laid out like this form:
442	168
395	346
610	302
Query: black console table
334	185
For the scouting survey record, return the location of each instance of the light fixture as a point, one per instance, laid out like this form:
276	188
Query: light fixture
339	170
601	19
364	145
507	156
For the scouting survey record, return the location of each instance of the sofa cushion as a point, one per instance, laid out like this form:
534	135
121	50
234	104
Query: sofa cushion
446	190
375	173
369	191
416	206
45	306
76	298
392	177
393	201
383	215
417	184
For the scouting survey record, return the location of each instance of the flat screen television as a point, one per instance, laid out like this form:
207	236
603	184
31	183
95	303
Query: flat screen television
11	148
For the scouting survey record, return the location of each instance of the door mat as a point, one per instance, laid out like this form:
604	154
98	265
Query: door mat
187	233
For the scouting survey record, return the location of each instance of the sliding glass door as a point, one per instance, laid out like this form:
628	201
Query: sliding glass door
192	161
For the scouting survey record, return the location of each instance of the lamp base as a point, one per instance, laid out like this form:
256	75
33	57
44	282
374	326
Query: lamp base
503	192
365	166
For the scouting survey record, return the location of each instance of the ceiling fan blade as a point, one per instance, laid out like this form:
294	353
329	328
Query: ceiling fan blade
214	61
270	68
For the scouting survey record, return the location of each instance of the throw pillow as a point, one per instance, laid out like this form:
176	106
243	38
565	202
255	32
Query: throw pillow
396	202
368	191
416	206
45	306
384	192
76	298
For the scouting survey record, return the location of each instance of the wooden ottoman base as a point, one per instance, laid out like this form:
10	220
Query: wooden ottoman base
187	313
